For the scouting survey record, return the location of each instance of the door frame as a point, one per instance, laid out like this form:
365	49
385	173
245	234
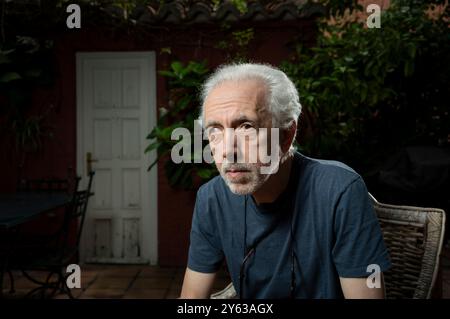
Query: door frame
149	226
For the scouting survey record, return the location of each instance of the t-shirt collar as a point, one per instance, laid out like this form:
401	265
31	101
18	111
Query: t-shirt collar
286	196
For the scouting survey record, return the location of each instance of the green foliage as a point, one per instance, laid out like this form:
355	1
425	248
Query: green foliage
367	91
241	5
243	37
25	65
182	111
29	132
236	44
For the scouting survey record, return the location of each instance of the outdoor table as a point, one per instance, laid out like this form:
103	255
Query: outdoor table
18	209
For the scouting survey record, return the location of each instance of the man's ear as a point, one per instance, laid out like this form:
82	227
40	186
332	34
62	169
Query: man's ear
287	136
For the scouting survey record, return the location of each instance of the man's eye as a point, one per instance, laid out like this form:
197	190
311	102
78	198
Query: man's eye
213	130
246	126
214	134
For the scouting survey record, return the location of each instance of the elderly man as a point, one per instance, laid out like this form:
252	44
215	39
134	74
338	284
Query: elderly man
306	229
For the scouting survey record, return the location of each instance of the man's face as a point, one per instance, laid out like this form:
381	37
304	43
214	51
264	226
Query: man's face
233	114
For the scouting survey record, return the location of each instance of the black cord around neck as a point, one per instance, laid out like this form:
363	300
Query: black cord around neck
246	254
245	226
293	259
248	251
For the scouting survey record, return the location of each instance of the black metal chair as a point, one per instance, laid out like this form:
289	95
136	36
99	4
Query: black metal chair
27	237
54	253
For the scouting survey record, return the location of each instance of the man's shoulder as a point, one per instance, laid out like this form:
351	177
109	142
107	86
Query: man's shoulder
331	166
328	172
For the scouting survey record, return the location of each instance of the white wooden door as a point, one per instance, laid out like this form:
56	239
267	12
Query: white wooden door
116	109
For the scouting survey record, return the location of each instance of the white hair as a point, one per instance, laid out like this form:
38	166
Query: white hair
282	98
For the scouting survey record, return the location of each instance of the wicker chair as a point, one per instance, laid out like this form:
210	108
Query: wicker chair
227	293
414	237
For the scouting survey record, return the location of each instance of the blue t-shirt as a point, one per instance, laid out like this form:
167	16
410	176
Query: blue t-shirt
325	216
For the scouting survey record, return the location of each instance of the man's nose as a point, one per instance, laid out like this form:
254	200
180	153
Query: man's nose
229	145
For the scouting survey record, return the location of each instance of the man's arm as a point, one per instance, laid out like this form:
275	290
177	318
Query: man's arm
356	288
197	285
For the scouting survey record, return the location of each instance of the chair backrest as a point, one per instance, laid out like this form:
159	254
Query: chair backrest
76	212
414	237
81	201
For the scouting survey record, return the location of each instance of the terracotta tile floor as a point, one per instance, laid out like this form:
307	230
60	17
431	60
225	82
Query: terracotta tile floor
119	281
149	282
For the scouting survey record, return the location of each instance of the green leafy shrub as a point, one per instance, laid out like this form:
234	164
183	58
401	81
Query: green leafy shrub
183	109
25	65
367	92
